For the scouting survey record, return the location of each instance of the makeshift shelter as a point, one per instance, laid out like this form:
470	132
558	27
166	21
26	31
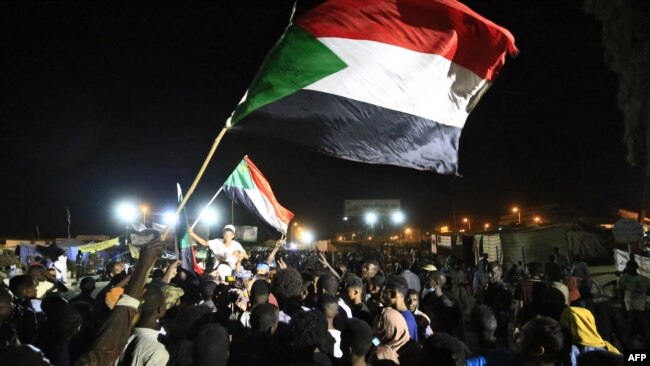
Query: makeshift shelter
590	246
534	244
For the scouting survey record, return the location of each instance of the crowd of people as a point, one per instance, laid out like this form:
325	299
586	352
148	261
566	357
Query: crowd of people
282	307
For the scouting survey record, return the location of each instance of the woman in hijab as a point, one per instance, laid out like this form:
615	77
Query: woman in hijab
585	337
395	345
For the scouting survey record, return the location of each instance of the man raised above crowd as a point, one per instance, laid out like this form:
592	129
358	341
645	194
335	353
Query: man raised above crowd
226	250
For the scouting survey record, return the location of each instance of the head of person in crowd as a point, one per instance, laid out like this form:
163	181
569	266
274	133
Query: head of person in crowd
495	272
328	305
87	285
327	284
228	233
356	342
369	269
552	302
211	346
631	268
308	293
394	292
306	332
260	292
23	287
207	290
434	284
412	300
445	349
535	269
264	318
187	323
153	306
375	285
445	316
157	274
53	305
37	271
116	271
483	324
354	290
287	286
564	290
6	305
70	320
262	269
406	262
391	330
541	342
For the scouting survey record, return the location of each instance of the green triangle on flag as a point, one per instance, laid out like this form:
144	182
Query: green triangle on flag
296	61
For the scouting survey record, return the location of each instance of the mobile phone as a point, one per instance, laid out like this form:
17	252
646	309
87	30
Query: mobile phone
376	341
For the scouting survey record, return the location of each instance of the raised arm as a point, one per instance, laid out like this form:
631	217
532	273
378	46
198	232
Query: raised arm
198	239
324	261
278	245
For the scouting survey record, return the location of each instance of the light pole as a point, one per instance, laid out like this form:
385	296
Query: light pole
292	233
126	212
486	226
397	217
371	219
469	223
518	212
144	210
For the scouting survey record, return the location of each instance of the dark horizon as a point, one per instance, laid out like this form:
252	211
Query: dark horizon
103	102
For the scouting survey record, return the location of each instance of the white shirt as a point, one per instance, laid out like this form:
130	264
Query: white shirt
336	334
142	349
345	307
219	249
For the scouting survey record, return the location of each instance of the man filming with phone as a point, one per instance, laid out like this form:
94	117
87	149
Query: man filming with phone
226	250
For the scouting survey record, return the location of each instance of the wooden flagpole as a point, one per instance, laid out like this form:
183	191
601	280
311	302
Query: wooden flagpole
198	178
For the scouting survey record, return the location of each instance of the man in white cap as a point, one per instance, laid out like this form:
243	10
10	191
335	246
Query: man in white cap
226	250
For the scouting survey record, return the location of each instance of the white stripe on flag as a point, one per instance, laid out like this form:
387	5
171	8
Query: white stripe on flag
421	84
266	209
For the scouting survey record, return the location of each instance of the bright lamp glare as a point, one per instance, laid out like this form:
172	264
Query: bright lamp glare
170	218
398	217
371	218
307	236
209	217
127	212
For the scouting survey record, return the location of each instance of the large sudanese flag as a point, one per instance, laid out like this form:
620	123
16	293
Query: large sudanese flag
185	249
247	186
377	81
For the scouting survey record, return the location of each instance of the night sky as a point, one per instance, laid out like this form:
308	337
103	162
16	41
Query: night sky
104	101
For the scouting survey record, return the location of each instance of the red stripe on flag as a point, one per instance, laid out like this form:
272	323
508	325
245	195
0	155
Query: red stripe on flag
264	187
442	27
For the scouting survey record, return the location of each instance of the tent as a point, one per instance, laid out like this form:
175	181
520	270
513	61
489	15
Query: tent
534	244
